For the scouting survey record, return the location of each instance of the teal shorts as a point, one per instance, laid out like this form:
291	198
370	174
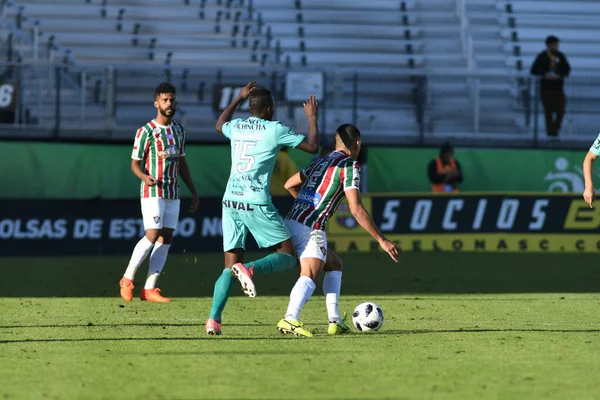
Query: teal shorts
262	221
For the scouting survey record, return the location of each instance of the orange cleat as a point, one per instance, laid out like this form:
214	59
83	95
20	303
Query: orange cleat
213	328
126	289
153	295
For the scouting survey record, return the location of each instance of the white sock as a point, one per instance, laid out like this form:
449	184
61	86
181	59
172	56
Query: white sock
332	284
299	295
140	252
157	263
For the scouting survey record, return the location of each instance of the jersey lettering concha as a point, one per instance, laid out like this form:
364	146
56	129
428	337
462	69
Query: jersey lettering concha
159	147
255	143
327	180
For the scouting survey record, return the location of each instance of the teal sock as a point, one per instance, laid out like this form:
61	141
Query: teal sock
221	294
275	262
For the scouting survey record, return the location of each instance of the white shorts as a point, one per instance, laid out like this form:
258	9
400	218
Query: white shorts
309	243
160	213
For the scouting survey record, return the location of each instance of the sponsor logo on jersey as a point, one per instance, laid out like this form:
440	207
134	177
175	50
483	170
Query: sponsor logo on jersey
309	197
238	205
170	153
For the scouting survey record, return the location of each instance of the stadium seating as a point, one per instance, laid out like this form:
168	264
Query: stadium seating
373	53
526	24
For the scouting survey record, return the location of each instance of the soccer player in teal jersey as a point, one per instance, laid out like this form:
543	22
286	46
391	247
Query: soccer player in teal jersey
318	190
247	206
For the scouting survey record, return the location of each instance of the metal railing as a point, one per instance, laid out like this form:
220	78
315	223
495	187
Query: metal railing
390	106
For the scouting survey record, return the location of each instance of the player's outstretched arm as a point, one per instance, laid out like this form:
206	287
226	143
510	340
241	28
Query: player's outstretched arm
294	184
310	144
184	172
364	219
589	193
227	114
136	168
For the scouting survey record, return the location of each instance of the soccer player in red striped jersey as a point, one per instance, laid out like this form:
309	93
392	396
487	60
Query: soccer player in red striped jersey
318	190
158	160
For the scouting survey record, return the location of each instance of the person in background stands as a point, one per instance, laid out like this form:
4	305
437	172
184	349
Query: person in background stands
283	170
444	171
553	67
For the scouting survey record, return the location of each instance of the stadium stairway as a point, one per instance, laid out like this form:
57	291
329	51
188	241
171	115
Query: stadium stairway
451	97
525	26
343	36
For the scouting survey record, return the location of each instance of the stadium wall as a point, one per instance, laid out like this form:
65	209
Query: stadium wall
90	171
475	222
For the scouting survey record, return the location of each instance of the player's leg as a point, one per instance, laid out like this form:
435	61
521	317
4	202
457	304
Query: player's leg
332	284
312	250
159	254
234	242
152	210
268	229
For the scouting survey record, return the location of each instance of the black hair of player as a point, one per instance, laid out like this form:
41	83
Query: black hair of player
261	103
349	135
164	87
446	148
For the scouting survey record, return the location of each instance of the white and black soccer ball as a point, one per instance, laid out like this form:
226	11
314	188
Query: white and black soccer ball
367	317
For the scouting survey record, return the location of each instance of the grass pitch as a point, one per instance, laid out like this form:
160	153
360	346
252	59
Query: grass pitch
458	326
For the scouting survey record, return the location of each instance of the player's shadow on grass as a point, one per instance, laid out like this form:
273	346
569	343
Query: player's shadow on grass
396	332
146	339
351	336
92	325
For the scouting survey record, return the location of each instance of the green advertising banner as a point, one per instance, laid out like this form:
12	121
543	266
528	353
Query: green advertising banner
87	171
495	170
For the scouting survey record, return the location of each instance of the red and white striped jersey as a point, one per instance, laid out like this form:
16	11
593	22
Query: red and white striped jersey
327	179
160	147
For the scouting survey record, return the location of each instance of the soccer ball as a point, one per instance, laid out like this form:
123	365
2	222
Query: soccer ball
367	317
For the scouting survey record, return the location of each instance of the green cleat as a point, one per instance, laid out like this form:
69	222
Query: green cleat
291	327
337	328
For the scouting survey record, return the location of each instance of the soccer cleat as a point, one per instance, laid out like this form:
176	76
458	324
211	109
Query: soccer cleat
213	328
291	327
244	275
126	289
153	296
339	327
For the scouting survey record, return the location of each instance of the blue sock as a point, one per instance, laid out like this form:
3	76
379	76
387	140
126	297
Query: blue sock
221	294
275	262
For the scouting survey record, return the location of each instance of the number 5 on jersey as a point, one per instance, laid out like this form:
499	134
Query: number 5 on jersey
243	162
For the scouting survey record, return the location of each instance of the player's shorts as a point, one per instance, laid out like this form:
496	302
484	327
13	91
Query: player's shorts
262	221
160	213
309	243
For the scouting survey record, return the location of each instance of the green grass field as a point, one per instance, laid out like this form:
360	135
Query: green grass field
458	326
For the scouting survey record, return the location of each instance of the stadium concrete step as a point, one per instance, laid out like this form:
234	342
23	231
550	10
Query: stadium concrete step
378	5
565	34
351	44
538	20
339	30
358	17
555	7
